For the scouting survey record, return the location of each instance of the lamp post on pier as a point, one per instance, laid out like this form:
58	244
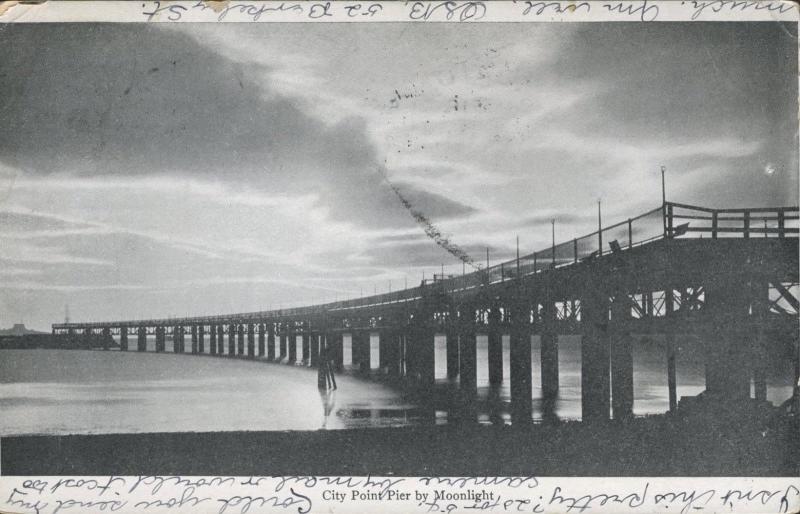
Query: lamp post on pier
599	226
664	199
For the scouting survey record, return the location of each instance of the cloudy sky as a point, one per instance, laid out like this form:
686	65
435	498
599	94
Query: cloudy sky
149	171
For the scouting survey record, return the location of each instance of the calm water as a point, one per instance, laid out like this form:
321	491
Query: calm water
67	392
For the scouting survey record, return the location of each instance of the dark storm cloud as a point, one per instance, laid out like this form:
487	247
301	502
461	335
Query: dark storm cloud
664	75
95	100
673	83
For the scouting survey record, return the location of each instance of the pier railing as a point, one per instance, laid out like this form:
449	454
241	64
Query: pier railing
671	220
619	236
668	221
681	220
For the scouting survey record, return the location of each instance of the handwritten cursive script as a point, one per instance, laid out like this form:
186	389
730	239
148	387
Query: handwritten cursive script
304	494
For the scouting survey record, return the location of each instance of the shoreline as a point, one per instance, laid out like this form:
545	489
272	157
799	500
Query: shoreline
654	446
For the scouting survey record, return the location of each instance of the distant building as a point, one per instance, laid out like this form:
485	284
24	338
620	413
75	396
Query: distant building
18	329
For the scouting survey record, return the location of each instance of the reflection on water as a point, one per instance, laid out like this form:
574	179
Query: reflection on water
326	383
64	392
651	395
68	392
328	397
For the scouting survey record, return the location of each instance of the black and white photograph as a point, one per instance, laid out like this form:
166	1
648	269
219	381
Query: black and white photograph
399	249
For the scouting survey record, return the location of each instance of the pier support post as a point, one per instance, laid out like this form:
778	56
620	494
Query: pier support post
123	339
384	347
409	349
280	349
106	335
212	339
423	334
394	356
595	404
251	341
336	348
321	344
141	341
175	339
360	346
495	346
194	341
160	346
389	356
271	341
672	378
291	343
726	356
549	359
760	308
467	352
465	411
201	334
220	339
725	367
621	358
520	350
231	340
240	340
284	343
312	358
262	340
306	344
428	354
401	339
451	343
319	347
314	344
